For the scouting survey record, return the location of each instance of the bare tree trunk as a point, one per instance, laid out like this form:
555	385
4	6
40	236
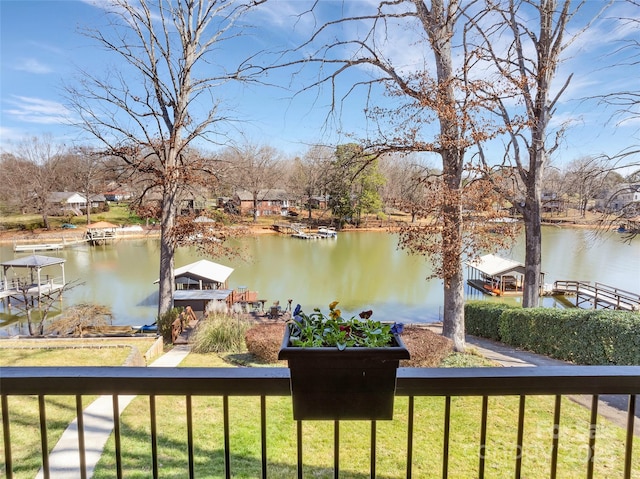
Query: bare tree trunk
453	326
88	207
454	306
255	207
167	250
533	248
453	319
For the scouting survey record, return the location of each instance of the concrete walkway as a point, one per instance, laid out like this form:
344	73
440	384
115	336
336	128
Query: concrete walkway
64	460
611	407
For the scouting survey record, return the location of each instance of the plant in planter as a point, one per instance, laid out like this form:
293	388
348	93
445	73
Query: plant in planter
342	368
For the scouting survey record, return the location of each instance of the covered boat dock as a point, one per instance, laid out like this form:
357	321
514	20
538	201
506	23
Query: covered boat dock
197	284
34	285
497	276
100	232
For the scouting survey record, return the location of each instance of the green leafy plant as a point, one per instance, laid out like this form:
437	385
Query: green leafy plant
165	321
319	330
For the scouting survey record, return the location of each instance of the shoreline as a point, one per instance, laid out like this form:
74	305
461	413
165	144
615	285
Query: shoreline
62	236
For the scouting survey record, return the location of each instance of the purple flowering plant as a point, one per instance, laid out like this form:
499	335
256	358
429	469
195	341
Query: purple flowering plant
319	330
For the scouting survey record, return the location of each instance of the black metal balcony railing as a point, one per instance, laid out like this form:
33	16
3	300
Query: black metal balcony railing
263	382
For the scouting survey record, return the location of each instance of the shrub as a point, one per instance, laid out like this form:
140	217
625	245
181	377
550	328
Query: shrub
220	333
264	341
165	321
482	318
590	337
535	329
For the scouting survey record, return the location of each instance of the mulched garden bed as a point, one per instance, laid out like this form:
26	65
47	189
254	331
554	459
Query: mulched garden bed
427	348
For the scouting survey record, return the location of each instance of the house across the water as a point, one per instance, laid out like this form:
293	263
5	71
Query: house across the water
497	276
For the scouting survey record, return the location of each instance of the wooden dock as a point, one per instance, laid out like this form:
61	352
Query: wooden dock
598	295
289	228
32	248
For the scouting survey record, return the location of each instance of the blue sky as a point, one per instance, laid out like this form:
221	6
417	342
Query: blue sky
42	49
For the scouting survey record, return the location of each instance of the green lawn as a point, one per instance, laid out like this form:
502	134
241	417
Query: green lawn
118	214
60	410
318	435
86	356
355	437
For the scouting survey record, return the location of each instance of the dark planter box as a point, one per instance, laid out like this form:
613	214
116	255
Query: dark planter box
356	383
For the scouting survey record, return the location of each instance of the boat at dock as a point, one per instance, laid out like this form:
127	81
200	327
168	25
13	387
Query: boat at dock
321	233
327	233
302	231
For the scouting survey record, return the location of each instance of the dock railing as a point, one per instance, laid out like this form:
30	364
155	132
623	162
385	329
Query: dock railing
599	294
413	385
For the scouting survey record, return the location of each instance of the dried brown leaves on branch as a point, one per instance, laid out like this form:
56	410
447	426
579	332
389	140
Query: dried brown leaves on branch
210	233
485	224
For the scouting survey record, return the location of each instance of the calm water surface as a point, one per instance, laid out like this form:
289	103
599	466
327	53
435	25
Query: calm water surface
363	270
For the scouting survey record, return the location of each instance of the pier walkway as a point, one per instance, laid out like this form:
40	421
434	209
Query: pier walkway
598	295
289	228
32	248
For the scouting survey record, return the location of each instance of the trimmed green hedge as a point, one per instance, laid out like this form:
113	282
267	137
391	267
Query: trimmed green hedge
590	337
482	318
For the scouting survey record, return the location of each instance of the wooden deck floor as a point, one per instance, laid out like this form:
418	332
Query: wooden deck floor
45	290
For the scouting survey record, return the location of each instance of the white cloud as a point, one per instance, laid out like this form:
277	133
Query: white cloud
37	110
9	137
31	65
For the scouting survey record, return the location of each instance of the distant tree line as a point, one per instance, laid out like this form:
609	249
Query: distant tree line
353	183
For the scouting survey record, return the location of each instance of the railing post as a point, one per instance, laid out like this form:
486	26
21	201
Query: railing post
520	440
299	447
483	436
556	437
6	434
81	444
631	414
410	418
44	447
445	439
593	425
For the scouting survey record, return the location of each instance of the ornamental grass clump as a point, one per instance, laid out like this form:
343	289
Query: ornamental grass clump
319	330
220	333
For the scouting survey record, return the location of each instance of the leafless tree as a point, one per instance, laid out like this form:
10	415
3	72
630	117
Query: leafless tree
554	190
524	40
584	179
430	108
626	104
309	174
32	174
404	174
162	97
36	323
256	169
85	173
15	194
79	319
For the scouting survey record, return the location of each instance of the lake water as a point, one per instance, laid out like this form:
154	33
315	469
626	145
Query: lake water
362	270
